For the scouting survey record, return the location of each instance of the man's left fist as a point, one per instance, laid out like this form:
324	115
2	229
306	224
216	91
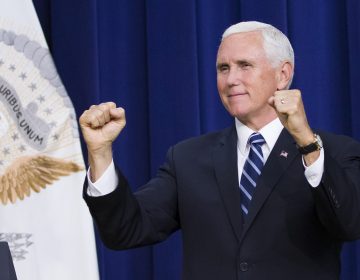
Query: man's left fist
289	107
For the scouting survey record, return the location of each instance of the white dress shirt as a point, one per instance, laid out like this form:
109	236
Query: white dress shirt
271	132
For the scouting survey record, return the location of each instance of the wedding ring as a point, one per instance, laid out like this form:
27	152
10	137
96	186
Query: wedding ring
282	101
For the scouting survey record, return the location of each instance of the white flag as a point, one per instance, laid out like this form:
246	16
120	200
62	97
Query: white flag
42	214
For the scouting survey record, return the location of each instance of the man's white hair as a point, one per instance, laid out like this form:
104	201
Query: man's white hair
276	45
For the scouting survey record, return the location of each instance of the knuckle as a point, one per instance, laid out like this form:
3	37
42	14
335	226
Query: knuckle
84	117
102	107
111	104
92	118
297	92
95	114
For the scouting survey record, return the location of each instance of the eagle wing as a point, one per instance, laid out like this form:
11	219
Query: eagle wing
32	174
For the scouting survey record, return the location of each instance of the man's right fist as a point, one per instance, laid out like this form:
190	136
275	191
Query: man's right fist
101	124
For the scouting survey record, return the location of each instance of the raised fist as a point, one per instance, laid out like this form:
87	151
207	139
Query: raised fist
101	124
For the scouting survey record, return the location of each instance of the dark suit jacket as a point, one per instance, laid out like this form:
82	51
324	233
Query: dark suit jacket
7	270
292	231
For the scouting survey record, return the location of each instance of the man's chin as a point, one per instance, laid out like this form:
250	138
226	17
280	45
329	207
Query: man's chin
240	114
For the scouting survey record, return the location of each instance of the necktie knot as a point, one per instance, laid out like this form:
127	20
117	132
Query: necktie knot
256	139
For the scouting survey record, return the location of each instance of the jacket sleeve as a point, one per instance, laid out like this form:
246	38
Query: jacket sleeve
126	220
337	198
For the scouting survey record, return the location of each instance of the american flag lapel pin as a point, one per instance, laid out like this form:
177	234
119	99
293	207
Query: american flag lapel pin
284	154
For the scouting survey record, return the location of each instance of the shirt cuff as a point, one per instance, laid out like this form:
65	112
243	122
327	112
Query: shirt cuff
314	172
106	184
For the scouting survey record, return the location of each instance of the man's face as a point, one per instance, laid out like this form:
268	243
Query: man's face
246	79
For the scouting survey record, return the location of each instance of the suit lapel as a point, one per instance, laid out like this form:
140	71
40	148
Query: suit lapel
281	156
226	172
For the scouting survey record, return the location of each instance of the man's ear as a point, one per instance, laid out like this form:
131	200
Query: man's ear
285	73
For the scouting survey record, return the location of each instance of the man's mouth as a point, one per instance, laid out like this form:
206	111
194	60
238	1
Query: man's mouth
237	94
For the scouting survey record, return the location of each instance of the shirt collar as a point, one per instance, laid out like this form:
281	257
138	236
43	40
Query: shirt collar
270	132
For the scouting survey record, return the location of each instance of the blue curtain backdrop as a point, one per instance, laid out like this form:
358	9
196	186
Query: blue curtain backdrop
156	58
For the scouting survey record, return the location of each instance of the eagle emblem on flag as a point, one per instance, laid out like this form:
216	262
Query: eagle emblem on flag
37	120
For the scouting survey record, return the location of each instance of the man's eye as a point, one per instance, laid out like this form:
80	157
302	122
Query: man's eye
223	68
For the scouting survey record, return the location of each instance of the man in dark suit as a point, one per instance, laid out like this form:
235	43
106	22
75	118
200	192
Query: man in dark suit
264	199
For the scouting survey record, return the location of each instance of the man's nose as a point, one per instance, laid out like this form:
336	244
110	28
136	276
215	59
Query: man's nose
234	77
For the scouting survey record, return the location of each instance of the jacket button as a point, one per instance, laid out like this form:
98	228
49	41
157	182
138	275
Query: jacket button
244	266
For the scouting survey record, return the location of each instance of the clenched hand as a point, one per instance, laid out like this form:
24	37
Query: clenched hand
100	125
289	107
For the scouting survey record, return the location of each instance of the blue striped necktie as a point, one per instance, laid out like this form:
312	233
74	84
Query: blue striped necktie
252	170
